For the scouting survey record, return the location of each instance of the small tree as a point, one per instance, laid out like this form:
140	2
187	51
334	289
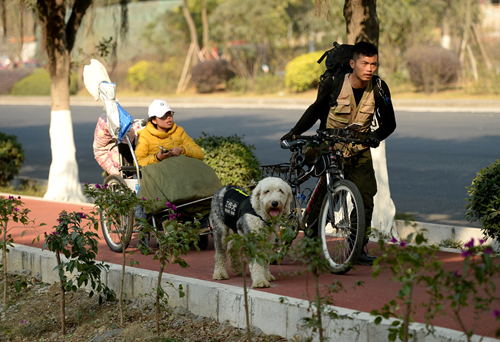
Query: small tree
10	209
410	265
174	239
79	246
115	206
484	202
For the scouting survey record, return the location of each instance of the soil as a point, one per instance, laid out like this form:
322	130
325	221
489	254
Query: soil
33	314
11	77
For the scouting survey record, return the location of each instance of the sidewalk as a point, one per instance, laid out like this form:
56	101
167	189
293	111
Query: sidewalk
222	300
280	102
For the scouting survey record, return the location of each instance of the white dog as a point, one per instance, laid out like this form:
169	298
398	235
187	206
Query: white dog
234	211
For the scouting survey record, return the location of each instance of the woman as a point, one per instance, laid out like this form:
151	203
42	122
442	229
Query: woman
162	138
178	179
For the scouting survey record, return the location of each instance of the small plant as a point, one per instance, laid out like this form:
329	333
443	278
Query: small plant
233	161
11	158
257	246
410	265
114	206
209	75
474	283
174	240
450	243
302	73
79	246
308	251
11	209
484	202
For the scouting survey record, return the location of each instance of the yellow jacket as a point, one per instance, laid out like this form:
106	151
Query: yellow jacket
150	140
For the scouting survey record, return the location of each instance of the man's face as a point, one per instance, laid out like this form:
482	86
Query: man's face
364	67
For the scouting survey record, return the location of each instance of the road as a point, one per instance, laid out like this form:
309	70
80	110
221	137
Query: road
432	156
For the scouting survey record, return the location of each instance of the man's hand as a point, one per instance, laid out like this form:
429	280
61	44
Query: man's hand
371	141
288	136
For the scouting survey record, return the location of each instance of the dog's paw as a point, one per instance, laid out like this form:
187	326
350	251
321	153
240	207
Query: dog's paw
260	283
220	275
270	277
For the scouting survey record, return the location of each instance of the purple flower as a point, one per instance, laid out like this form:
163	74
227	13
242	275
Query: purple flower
456	274
168	204
394	240
116	202
496	313
82	215
403	243
470	243
171	217
23	322
466	253
11	197
143	199
97	186
19	197
488	251
105	186
174	207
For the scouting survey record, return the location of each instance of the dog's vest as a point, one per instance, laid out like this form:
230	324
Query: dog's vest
236	204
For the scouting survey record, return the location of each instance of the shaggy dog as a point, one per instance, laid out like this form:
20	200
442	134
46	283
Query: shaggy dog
232	211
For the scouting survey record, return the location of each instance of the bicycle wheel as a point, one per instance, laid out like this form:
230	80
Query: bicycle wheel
117	235
342	229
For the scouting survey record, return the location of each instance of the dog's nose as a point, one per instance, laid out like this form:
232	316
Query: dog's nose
274	204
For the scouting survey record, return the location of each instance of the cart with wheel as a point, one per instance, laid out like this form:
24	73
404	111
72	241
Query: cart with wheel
128	172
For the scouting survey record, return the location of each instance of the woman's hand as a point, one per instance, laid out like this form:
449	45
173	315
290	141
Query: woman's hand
174	152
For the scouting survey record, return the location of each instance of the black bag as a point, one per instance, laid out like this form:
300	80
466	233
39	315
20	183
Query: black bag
337	65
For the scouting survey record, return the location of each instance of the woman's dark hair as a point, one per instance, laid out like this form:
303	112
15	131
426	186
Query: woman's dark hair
150	119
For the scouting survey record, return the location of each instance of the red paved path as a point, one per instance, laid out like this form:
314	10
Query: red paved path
373	295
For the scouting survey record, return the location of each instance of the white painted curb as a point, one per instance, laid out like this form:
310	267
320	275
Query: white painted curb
224	303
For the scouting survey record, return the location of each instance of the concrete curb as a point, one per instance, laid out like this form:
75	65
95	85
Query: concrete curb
224	303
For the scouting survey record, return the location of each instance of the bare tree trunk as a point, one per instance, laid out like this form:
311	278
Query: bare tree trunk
204	20
21	32
60	34
4	19
192	31
158	286
445	29
487	61
362	22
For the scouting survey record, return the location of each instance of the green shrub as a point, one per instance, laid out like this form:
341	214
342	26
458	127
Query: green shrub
11	158
484	201
154	76
232	160
238	84
209	75
38	84
302	73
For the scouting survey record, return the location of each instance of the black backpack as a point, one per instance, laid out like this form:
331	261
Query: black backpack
337	65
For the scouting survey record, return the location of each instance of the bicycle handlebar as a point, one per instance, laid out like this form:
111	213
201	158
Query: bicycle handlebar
336	135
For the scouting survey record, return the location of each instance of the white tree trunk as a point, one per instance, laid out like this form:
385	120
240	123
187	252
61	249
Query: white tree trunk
385	210
64	184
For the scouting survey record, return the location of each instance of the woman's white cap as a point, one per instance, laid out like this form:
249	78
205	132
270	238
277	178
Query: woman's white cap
158	108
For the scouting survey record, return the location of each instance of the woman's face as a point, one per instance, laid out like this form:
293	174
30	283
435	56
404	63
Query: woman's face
164	123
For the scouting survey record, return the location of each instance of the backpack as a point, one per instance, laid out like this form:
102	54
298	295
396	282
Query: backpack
337	65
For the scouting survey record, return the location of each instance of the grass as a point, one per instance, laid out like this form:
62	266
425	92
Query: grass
25	190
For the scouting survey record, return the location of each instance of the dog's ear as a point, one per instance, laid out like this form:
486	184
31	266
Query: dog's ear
255	195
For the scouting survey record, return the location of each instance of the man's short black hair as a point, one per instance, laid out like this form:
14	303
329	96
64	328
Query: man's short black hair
365	49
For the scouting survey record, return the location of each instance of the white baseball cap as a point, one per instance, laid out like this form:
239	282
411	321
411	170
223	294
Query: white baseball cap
158	108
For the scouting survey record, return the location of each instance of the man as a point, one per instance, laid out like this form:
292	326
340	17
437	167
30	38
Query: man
362	100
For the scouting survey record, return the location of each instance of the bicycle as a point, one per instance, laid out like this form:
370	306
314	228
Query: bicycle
341	223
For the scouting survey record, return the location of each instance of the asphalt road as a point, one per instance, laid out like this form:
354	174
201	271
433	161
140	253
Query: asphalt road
432	156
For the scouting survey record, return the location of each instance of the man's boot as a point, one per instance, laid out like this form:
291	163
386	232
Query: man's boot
364	258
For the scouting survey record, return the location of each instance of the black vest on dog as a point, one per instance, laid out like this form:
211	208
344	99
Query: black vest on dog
237	203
